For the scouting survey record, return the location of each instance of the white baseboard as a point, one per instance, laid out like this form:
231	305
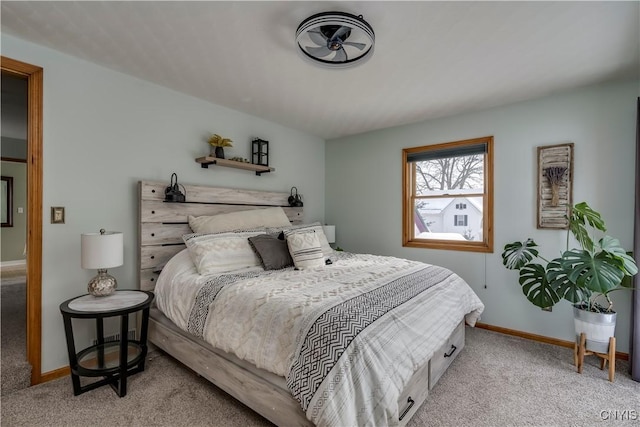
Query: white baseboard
6	264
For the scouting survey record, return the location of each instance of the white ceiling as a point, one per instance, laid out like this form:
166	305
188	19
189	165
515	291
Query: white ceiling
431	59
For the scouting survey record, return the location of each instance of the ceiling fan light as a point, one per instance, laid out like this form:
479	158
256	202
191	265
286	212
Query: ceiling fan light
335	39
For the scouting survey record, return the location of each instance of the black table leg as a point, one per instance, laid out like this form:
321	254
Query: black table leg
100	339
73	360
124	349
143	336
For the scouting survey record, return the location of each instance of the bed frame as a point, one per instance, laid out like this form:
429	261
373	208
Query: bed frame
161	226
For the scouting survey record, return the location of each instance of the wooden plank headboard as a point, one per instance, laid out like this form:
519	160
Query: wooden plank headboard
161	224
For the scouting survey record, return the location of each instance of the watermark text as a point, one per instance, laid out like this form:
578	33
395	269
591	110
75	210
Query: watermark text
620	415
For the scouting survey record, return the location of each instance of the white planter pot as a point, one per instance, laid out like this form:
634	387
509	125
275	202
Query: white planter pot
598	328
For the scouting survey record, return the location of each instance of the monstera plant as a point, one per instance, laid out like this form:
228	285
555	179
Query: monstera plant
580	275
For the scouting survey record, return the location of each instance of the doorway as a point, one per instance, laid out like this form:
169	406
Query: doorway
33	75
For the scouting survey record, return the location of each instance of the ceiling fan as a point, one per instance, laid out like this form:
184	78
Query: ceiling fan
335	39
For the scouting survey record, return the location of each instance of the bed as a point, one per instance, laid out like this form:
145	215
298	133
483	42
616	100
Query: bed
360	340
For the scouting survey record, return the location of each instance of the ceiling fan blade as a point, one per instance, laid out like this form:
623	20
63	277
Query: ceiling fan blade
356	45
317	37
341	56
340	32
318	52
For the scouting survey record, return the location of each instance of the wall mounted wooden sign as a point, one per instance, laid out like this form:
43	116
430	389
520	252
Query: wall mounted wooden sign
555	185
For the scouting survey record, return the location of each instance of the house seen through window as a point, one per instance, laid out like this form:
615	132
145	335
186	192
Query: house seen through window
448	195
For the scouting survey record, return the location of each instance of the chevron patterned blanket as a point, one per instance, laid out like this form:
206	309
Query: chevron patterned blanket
332	332
347	337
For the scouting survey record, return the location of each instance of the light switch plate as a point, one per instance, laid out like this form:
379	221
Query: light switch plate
57	214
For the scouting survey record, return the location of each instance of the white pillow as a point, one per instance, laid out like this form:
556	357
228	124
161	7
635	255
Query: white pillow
305	249
316	227
241	220
222	252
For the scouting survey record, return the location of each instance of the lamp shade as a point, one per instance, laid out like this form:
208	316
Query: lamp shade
330	232
102	250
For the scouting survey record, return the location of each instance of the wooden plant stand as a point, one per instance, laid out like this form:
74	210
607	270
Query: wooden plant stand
580	351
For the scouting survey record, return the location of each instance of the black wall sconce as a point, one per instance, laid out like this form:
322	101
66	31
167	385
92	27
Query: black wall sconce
260	152
172	193
295	199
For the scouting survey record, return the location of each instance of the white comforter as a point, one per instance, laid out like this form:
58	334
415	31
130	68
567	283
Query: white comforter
263	318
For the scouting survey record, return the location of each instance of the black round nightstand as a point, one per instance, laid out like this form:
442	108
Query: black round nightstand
113	360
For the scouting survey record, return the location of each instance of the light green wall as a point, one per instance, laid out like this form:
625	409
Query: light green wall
14	238
104	131
364	191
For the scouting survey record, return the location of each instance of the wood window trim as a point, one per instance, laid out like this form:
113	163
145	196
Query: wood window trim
408	179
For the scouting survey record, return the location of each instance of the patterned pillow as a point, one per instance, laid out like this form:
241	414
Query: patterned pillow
222	252
316	227
273	253
304	248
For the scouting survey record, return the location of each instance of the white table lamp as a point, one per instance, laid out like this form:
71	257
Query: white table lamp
330	232
102	251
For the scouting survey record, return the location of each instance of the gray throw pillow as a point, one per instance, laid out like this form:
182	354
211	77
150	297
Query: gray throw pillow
273	253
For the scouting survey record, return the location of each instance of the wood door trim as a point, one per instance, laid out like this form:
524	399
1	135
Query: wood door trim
34	76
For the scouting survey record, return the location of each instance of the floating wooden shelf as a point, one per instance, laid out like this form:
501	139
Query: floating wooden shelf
208	160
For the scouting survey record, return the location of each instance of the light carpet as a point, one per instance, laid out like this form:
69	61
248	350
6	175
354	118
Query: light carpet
497	380
15	370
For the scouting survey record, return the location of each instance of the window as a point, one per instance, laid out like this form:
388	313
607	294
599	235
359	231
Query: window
460	220
440	181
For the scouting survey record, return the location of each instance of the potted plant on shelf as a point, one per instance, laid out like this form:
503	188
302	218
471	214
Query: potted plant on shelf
583	276
219	143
